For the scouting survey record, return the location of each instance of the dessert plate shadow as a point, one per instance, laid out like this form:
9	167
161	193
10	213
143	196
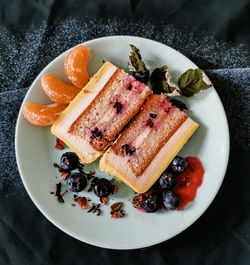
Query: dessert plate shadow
35	154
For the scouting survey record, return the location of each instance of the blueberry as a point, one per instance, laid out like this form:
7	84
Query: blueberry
171	200
150	203
102	187
167	179
69	161
150	123
129	87
96	134
77	182
118	107
128	149
179	164
141	76
152	115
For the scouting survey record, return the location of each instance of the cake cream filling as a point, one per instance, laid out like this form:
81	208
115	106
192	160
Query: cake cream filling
118	166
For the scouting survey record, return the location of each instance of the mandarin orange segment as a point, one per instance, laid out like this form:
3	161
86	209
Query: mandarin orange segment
58	91
75	66
42	115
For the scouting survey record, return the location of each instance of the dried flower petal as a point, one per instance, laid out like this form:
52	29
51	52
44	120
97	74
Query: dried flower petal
64	175
83	202
104	200
58	192
115	188
59	144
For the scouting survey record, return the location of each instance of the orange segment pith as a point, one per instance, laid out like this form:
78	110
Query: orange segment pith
75	66
40	115
58	91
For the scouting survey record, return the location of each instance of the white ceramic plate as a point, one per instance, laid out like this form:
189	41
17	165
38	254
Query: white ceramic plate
35	155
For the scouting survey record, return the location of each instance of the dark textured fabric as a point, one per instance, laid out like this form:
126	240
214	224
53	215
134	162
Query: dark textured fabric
228	20
220	236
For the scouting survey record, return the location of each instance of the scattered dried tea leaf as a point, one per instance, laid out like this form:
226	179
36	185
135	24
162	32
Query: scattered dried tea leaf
58	192
95	208
92	207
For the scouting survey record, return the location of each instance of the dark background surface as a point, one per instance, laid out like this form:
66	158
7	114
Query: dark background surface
214	34
224	19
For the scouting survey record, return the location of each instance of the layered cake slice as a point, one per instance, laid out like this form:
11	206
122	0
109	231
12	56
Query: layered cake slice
148	144
99	112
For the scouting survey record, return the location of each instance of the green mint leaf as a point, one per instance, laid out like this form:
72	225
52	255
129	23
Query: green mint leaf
179	104
192	82
135	63
161	82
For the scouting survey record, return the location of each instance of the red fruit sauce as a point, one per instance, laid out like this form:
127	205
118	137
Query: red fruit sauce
189	181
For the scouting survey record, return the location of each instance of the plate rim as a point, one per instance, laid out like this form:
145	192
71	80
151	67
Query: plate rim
52	219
